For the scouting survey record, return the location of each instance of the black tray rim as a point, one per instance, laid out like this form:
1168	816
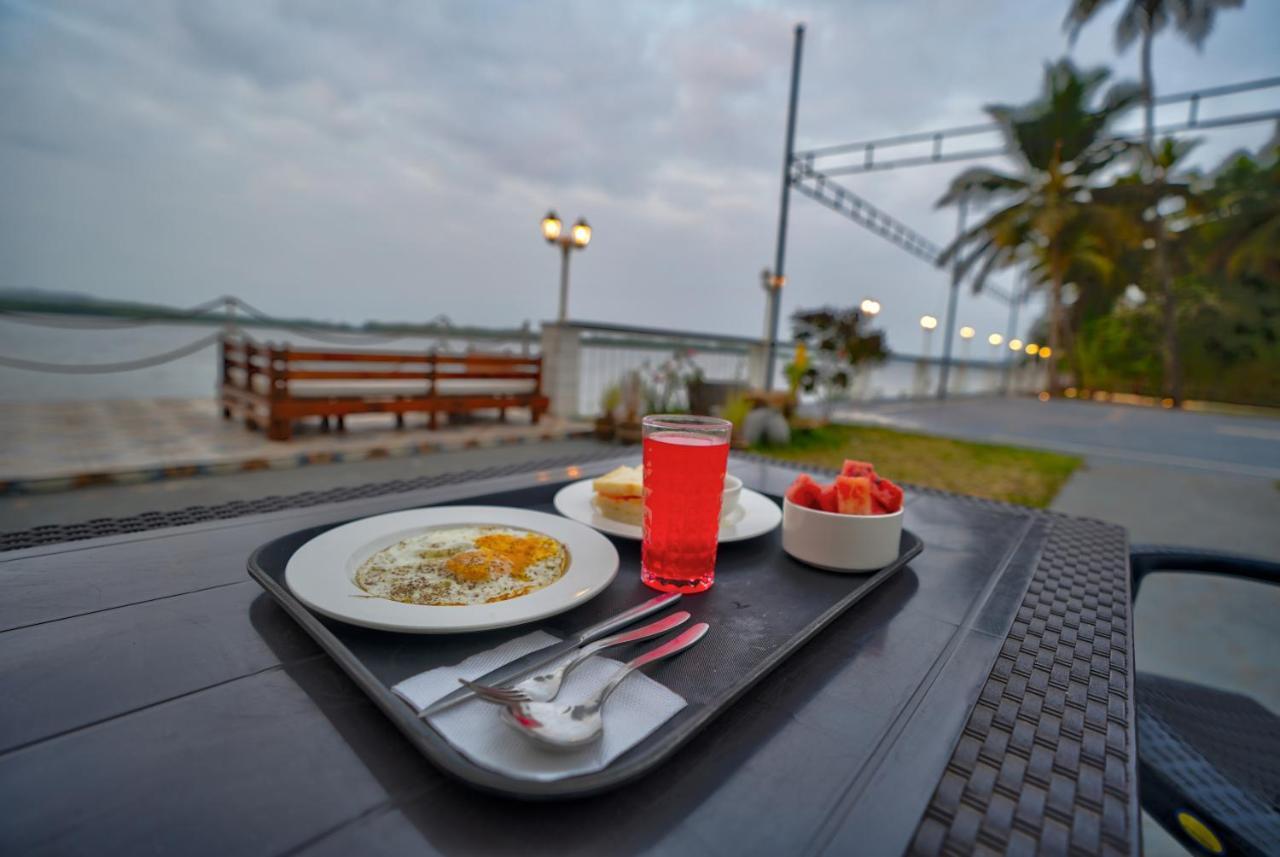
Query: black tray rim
656	749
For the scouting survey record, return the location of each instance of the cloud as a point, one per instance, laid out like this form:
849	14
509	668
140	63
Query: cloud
391	159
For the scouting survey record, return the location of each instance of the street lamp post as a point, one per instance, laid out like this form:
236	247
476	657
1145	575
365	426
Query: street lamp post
870	307
927	324
1019	295
577	238
772	285
951	305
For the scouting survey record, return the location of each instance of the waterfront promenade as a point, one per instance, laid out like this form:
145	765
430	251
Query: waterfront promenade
56	446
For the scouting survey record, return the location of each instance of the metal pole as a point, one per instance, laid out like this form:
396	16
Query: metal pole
766	278
564	282
1019	295
229	307
780	256
949	333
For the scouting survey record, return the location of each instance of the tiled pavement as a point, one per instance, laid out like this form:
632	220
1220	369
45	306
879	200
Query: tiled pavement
61	445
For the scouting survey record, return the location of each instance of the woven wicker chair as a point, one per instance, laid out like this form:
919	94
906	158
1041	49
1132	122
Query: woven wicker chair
1209	760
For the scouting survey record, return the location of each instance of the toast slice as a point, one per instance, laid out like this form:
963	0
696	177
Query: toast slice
620	494
620	483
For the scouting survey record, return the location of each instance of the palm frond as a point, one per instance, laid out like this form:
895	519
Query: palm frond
1000	257
978	183
1130	25
965	263
1194	18
1061	124
991	228
1106	154
1003	117
1121	97
1171	151
1079	13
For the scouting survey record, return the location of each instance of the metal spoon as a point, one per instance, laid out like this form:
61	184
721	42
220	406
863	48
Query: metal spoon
544	686
568	726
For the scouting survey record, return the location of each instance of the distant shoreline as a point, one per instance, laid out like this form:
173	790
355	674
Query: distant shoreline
86	307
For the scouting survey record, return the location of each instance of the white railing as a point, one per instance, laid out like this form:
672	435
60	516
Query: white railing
583	359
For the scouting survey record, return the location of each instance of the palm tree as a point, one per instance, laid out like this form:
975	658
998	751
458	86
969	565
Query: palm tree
1193	19
1046	216
1245	224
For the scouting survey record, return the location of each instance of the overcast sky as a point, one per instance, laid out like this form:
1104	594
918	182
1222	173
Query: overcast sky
391	160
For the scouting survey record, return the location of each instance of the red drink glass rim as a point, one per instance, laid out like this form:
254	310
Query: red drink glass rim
685	422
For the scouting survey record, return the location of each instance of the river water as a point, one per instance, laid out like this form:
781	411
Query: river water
194	375
104	341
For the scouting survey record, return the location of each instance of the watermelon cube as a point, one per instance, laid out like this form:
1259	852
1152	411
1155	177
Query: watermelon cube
857	468
804	492
827	498
886	495
853	495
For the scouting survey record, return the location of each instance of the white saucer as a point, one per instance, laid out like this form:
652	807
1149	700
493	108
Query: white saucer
756	514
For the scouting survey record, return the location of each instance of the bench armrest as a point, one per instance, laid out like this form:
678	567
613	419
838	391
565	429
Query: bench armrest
1145	559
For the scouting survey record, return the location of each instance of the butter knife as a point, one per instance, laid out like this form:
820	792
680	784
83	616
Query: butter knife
523	666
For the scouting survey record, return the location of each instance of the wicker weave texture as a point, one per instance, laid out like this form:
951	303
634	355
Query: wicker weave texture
1218	751
1045	764
57	533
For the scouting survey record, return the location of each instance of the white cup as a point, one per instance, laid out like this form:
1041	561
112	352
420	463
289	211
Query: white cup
729	499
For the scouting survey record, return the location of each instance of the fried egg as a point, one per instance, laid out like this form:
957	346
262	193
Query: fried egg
462	565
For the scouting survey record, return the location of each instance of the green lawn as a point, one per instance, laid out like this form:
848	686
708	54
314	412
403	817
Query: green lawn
1027	476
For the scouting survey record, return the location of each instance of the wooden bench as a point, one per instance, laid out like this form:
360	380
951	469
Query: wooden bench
272	387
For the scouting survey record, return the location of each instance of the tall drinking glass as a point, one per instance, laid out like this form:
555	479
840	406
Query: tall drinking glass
684	463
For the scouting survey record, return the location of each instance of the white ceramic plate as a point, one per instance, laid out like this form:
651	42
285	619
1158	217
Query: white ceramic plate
756	514
322	572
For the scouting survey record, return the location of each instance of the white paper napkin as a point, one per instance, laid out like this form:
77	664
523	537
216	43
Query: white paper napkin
638	707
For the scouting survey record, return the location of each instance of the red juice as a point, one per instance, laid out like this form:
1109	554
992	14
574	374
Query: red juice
683	486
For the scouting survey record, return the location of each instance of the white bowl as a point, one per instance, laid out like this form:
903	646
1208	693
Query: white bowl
840	542
732	491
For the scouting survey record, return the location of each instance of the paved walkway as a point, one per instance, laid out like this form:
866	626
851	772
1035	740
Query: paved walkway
56	446
1219	443
1214	631
24	511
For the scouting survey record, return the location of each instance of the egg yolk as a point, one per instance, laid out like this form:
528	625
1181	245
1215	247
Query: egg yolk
476	566
520	551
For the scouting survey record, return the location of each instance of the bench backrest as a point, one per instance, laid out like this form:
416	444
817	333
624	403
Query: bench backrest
284	364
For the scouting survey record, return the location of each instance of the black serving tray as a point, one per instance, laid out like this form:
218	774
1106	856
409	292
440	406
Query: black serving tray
762	609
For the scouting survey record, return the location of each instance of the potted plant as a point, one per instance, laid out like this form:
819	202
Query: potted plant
836	343
610	403
632	400
736	410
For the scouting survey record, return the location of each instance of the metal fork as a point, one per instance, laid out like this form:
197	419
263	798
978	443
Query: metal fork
544	686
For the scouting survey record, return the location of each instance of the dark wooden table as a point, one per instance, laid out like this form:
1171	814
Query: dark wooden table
155	700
